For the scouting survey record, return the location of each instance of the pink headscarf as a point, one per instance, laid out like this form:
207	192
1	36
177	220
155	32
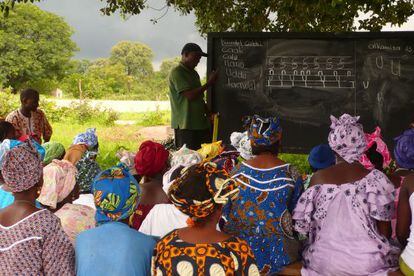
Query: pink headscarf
22	168
58	182
347	137
382	148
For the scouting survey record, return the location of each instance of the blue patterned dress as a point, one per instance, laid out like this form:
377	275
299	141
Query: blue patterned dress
261	214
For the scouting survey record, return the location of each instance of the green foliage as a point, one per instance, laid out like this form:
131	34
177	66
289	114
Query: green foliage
8	102
300	161
281	15
134	56
78	112
84	112
35	45
167	65
155	118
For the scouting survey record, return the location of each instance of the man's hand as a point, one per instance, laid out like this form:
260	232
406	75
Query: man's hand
213	78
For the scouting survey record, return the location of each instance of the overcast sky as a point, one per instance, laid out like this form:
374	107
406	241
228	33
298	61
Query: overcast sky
95	34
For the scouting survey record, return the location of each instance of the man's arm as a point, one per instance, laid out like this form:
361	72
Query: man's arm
193	94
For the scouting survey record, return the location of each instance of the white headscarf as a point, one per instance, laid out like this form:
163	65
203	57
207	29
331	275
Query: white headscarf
240	140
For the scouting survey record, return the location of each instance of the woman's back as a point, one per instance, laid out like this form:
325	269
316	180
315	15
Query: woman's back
261	214
113	249
340	222
40	243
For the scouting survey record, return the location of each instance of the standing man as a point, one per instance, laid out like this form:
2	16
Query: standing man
29	120
188	109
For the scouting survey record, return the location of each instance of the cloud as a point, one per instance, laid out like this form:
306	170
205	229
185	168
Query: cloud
95	34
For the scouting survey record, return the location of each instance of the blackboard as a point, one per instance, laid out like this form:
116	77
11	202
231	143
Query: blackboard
305	77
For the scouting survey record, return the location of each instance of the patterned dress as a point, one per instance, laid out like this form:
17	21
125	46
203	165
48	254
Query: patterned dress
36	245
87	170
340	222
173	256
37	126
261	214
76	218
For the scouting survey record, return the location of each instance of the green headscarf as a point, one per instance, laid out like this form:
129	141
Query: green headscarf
54	150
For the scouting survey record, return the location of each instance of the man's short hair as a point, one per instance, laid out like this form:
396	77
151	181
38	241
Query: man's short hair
29	93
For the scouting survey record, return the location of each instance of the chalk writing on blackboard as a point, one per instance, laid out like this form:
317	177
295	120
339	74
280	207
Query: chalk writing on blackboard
310	71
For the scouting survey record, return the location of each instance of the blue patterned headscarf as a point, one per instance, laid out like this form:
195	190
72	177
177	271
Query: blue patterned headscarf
88	138
116	194
263	131
404	149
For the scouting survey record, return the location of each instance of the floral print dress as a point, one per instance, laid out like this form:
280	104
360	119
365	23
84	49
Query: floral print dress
340	222
261	214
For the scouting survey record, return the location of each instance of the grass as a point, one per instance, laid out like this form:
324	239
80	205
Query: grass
153	118
111	139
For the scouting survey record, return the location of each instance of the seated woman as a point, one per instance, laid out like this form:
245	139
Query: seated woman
269	190
32	242
82	153
8	132
151	162
112	247
83	142
346	211
200	249
54	150
404	156
163	218
58	192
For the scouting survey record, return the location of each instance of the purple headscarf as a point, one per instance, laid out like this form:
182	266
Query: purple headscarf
347	137
22	168
404	149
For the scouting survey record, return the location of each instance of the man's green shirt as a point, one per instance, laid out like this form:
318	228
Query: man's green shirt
186	114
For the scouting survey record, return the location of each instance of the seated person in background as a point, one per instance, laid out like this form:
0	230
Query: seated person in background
376	156
200	249
320	157
228	159
6	132
404	156
127	158
269	190
58	192
82	153
29	120
346	211
32	241
54	150
8	142
112	248
151	162
163	218
81	144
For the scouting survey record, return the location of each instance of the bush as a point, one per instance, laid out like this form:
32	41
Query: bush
8	102
82	112
79	112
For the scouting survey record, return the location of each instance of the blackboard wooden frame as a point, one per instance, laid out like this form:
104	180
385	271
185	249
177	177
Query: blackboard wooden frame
211	63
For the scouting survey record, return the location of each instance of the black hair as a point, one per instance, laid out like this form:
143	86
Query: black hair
259	149
5	128
375	157
29	93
